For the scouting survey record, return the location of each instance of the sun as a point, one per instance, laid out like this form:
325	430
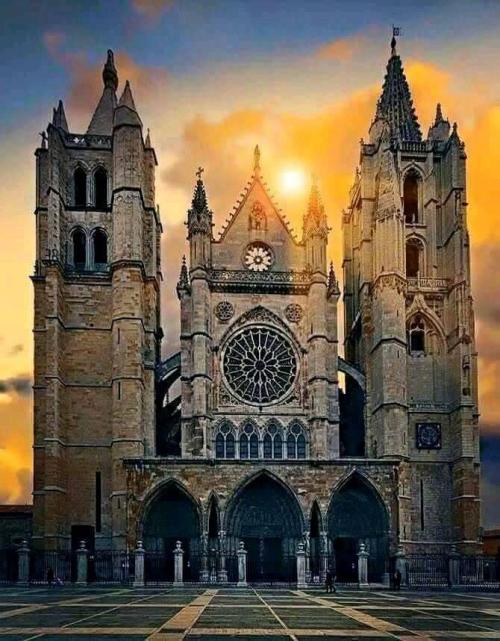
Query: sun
293	181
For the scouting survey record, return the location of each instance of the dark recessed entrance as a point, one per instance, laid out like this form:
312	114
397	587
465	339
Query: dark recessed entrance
267	518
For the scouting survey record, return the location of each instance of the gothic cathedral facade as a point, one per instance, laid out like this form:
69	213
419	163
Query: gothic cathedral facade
245	434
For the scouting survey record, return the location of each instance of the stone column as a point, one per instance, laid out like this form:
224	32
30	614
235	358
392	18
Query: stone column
139	565
301	566
222	573
82	564
453	567
23	564
178	564
323	558
242	565
204	573
362	566
401	565
307	549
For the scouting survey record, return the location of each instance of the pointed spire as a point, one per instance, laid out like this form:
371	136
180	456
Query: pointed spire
109	73
59	117
256	161
439	114
333	286
126	112
183	282
101	123
396	104
147	142
199	216
440	130
315	223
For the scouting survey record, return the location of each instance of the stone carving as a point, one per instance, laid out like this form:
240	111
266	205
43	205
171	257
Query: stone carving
294	313
224	311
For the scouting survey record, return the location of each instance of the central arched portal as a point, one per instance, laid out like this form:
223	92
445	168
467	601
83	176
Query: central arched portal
358	515
172	516
266	516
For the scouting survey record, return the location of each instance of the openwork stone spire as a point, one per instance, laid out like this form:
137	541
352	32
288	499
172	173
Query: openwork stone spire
199	216
315	223
396	104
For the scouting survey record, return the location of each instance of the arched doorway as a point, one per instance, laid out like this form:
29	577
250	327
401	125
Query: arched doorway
358	515
172	516
266	516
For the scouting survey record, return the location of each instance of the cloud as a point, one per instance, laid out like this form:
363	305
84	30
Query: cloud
86	86
19	384
16	349
152	9
343	49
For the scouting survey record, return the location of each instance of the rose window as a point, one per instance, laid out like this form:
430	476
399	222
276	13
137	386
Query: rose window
258	257
260	365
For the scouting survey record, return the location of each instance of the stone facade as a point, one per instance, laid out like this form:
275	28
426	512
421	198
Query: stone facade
261	445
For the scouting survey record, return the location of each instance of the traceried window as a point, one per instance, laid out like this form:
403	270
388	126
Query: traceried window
249	442
411	189
260	365
413	258
273	443
79	249
80	187
225	442
296	442
416	335
101	188
100	248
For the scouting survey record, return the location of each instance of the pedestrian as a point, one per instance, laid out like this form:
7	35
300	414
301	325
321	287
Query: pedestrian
334	580
328	581
50	576
397	580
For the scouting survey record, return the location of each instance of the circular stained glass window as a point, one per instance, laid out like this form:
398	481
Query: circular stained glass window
260	365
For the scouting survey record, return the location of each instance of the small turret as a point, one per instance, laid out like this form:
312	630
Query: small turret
102	120
440	130
183	282
199	225
315	231
59	117
126	112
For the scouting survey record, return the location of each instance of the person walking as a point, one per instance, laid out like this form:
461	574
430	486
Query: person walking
397	580
50	577
330	582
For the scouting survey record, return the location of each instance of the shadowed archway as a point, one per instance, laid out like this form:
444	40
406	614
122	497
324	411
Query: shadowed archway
265	514
171	516
357	515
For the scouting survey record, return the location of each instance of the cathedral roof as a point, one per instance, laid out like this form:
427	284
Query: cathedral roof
102	120
396	104
256	184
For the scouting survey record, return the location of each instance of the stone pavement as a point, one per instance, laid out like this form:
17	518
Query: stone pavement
220	614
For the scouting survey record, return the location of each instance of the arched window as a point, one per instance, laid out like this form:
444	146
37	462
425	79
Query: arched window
224	442
296	442
80	187
101	188
273	443
249	442
411	188
413	258
79	249
100	248
416	335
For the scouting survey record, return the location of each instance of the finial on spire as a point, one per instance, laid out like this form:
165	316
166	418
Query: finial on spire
333	286
109	74
199	173
439	114
256	160
147	142
183	282
396	31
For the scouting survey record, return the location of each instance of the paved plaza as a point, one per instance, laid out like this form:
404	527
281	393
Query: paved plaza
198	614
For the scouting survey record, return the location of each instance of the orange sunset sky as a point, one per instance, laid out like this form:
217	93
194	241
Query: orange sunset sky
211	79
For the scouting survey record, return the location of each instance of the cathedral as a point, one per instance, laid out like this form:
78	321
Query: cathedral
257	432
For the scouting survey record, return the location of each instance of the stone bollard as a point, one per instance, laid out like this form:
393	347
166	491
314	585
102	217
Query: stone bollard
362	566
178	564
401	565
23	564
242	565
139	565
82	564
453	567
301	566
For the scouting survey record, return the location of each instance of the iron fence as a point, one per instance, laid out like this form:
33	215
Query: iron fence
479	571
8	565
110	566
60	565
427	570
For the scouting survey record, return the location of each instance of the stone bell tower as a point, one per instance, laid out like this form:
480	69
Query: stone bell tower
97	313
409	316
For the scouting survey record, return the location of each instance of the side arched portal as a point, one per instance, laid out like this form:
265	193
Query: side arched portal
172	516
266	516
358	515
